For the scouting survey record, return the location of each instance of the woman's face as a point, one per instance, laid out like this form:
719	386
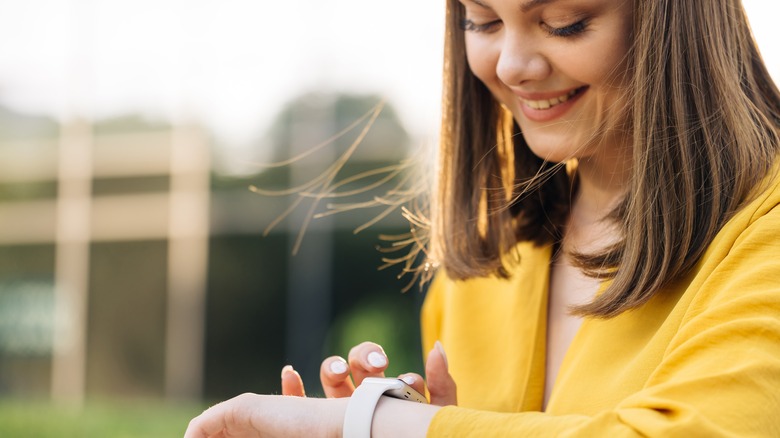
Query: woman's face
557	65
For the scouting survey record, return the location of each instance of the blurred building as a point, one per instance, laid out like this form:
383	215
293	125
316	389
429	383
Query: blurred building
130	268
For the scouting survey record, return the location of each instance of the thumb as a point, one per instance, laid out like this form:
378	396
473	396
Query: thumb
440	383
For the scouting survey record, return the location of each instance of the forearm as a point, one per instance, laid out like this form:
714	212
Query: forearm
394	418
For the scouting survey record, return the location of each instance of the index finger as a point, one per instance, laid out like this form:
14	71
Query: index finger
367	360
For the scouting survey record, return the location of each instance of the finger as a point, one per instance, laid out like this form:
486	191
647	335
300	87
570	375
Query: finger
415	381
334	375
367	360
292	384
441	385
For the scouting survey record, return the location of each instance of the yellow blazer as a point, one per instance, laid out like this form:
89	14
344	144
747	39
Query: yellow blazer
702	358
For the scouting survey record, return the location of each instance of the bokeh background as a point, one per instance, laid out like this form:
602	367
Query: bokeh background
141	278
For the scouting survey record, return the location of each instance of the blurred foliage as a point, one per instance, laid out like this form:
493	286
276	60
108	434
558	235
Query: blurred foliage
385	320
245	314
103	419
386	140
369	304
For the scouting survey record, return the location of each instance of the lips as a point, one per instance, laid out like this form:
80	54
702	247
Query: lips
543	107
544	104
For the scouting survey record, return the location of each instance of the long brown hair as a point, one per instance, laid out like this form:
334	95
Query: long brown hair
704	117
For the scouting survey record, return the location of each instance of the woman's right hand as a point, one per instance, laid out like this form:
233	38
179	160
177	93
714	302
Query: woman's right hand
339	377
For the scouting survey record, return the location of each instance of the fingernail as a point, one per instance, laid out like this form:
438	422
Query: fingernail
409	380
377	360
287	369
440	349
338	367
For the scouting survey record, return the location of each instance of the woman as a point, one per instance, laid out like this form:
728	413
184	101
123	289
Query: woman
611	264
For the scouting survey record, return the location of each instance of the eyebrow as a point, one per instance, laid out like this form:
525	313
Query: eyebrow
479	3
532	4
525	7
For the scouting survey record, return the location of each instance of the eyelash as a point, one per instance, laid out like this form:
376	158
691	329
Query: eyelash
567	31
469	26
564	32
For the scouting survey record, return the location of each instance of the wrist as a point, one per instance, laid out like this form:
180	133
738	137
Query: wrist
394	418
386	408
360	409
333	416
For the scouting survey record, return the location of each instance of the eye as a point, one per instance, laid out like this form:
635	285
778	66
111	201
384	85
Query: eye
470	26
567	31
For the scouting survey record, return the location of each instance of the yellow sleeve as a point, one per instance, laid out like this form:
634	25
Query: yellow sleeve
719	377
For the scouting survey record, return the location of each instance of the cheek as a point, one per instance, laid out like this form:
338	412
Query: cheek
599	64
482	61
605	60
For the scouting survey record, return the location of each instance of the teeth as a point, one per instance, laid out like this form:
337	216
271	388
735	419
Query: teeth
549	103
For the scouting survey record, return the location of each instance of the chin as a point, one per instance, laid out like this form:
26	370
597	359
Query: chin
556	147
553	151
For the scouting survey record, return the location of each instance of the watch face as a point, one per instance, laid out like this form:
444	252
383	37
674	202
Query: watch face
396	388
407	393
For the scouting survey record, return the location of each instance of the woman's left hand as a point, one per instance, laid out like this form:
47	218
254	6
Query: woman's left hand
252	415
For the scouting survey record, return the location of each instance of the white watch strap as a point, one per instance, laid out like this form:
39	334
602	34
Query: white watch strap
360	409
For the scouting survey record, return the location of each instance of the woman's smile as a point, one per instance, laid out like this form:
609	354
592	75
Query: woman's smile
545	107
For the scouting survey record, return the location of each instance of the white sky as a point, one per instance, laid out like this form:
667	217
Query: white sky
232	63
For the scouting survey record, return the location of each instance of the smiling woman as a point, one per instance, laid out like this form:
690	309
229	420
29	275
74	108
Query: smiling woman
604	226
560	70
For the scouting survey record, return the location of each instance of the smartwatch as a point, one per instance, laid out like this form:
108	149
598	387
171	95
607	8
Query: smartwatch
360	409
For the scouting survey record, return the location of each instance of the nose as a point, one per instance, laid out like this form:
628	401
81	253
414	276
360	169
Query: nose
521	61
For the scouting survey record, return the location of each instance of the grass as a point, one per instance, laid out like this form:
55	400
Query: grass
110	419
